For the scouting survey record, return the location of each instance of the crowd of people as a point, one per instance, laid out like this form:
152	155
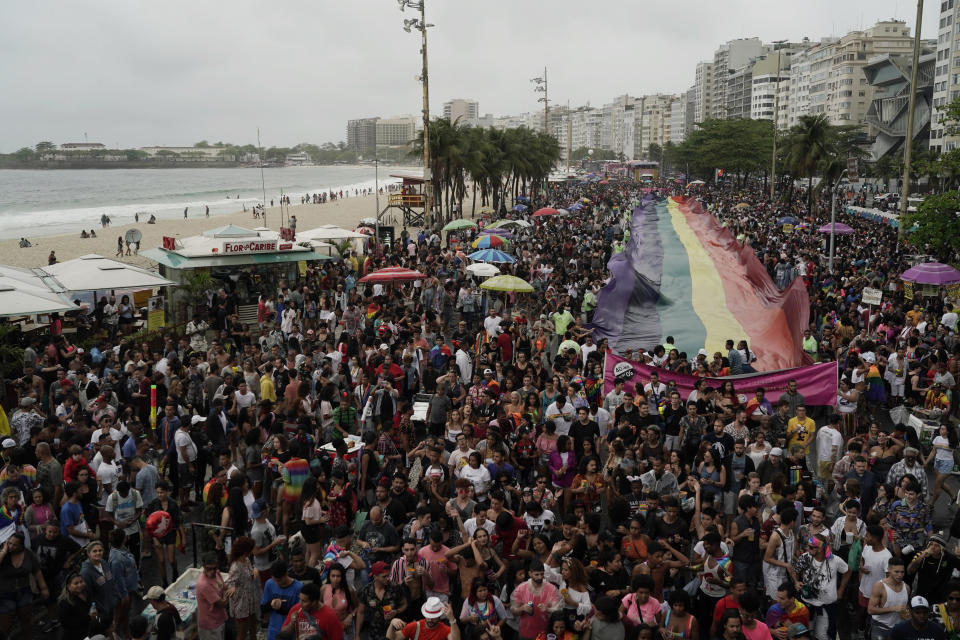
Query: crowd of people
428	460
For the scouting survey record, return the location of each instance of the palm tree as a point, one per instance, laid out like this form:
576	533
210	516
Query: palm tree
807	146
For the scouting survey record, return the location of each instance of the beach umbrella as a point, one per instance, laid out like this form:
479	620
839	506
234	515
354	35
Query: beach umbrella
523	199
546	211
696	182
491	255
802	225
604	182
787	220
489	242
503	233
392	274
457	225
742	205
568	344
507	283
483	269
838	229
502	224
563	212
484	210
935	273
576	206
367	231
519	207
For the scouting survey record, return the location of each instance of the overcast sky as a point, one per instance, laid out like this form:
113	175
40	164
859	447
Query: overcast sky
175	72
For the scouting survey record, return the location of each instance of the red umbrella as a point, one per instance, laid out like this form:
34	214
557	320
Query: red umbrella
392	274
546	211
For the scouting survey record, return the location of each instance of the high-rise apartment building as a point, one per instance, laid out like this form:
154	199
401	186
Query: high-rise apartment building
396	131
828	76
464	111
703	92
362	135
731	58
946	82
655	124
678	117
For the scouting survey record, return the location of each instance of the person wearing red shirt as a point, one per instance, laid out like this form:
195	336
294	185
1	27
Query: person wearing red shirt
730	601
505	345
312	617
391	370
430	628
508	527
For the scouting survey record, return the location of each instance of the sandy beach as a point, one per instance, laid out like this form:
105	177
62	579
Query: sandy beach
344	213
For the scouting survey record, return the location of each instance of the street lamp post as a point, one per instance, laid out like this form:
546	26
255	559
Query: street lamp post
422	26
833	217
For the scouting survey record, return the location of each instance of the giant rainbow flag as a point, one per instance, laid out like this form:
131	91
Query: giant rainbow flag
683	274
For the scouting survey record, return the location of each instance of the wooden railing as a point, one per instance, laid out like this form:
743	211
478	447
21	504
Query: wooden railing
405	200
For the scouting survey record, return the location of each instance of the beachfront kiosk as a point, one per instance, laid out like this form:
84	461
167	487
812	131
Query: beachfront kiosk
243	261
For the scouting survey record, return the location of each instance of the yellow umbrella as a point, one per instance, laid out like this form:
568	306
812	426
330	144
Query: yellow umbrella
485	210
507	283
742	205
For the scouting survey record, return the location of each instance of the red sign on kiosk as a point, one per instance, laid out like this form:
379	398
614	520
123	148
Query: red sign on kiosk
169	243
287	234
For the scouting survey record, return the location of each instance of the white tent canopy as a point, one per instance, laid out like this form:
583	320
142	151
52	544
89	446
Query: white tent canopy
329	232
20	299
96	273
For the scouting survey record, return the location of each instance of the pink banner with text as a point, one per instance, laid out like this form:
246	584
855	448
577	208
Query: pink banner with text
817	383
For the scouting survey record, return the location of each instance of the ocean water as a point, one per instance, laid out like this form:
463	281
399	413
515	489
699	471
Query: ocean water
50	202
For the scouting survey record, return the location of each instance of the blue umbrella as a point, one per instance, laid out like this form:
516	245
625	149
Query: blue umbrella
520	207
491	255
787	220
523	199
576	206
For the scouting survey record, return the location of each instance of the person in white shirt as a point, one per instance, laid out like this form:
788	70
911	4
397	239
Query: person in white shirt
492	323
654	390
829	449
873	560
243	397
602	417
464	363
586	349
459	456
562	414
478	520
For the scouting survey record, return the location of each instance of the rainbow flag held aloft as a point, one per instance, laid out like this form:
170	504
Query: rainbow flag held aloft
684	275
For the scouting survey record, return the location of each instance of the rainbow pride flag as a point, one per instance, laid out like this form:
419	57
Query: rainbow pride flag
684	275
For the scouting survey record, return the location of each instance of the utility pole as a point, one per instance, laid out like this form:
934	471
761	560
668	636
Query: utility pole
422	26
908	138
263	183
776	114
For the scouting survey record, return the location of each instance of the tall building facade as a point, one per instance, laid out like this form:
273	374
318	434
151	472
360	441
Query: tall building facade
728	59
946	82
464	111
703	91
362	135
396	131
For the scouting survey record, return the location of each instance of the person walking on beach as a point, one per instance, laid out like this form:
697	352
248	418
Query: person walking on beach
52	258
185	212
120	246
207	212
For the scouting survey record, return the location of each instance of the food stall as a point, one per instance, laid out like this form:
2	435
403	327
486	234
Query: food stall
244	262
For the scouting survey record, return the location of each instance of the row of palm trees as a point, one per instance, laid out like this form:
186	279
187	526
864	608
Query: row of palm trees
499	164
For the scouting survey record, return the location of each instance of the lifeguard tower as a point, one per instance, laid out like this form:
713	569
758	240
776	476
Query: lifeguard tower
411	201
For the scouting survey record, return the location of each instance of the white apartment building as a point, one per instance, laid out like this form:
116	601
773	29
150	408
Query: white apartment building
703	92
396	131
730	57
946	82
655	123
678	118
769	75
465	111
828	77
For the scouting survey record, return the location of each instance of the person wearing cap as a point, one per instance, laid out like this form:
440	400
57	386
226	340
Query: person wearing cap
934	566
918	626
817	569
380	602
430	627
25	418
167	617
798	630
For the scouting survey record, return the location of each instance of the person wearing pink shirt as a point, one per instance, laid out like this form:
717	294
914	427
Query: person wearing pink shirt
434	555
533	601
751	627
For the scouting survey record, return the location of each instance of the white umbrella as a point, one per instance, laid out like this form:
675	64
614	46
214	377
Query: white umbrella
483	269
96	273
